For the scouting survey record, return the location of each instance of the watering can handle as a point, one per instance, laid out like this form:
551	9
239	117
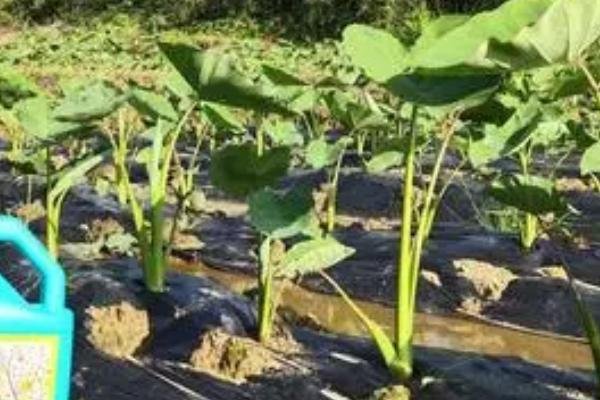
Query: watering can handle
14	232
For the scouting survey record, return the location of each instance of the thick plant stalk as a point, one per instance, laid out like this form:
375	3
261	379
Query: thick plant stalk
529	231
404	319
529	227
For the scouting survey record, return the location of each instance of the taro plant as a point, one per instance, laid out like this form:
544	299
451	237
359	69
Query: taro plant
276	216
532	127
457	62
205	81
53	127
167	125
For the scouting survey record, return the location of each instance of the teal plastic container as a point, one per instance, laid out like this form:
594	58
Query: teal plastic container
36	339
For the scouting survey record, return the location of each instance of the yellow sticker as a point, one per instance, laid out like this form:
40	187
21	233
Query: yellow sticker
28	367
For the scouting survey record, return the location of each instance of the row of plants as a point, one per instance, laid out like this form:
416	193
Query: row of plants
499	87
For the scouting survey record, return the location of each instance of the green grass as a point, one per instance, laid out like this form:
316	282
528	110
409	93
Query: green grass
122	49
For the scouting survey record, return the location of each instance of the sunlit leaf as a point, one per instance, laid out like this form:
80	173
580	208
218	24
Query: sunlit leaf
321	154
35	116
89	103
152	104
376	51
590	161
312	256
282	216
213	77
384	161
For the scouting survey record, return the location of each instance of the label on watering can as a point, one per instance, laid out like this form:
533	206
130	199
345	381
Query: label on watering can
28	367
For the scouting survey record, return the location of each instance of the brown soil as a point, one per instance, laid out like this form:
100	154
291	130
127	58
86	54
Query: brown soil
236	358
117	330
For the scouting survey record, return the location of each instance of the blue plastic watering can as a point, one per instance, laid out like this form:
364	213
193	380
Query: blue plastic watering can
36	339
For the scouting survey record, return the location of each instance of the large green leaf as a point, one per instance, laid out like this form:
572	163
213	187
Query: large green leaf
454	90
376	51
562	34
504	140
213	77
35	116
282	216
531	194
90	102
590	161
238	170
467	44
152	104
312	256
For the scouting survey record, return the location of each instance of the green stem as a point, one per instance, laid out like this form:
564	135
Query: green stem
265	314
260	138
428	212
332	195
120	161
51	222
595	182
529	229
591	80
403	317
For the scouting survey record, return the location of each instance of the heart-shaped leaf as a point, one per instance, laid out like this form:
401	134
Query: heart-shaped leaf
283	216
239	170
35	116
376	51
213	77
90	102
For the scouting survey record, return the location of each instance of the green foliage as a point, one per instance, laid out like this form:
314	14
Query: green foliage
312	256
532	194
502	141
37	119
14	86
384	161
377	51
283	216
213	77
239	170
590	162
321	154
153	105
89	102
